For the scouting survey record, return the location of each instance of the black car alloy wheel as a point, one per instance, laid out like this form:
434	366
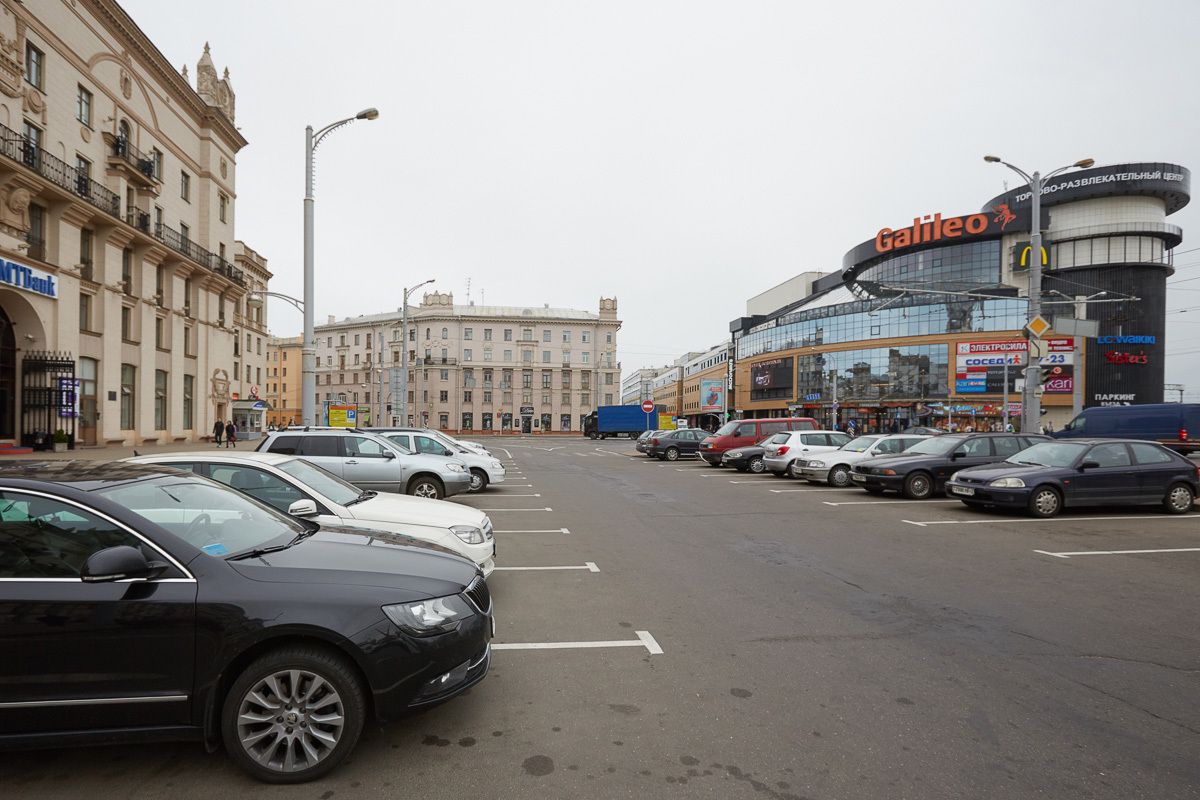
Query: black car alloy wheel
918	486
756	465
293	715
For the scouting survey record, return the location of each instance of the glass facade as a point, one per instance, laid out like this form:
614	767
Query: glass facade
903	317
876	375
972	264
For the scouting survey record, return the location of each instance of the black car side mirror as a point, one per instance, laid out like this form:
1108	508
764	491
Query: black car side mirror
957	454
120	563
1088	465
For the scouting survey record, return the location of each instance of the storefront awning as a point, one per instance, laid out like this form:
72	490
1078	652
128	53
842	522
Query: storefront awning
251	405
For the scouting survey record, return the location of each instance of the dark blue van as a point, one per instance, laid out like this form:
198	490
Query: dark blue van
1176	425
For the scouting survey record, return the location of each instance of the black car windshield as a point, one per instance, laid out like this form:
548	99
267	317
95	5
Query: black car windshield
938	446
1049	454
860	444
205	514
319	480
727	429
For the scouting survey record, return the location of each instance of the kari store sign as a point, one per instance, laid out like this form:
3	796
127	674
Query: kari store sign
979	366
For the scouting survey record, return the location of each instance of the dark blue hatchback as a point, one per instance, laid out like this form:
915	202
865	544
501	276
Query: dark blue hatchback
1049	476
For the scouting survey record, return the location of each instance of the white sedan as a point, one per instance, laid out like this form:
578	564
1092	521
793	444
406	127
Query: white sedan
301	489
834	467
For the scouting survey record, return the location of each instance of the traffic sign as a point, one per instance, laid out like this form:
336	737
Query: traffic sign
1036	327
648	406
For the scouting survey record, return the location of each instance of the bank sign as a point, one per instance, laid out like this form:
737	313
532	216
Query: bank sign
980	366
28	279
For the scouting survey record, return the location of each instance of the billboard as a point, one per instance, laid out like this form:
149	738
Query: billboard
343	416
771	379
712	395
979	366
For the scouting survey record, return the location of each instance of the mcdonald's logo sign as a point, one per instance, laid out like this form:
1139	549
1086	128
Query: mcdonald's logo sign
1024	252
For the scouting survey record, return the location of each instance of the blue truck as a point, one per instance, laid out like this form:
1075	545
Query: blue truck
629	421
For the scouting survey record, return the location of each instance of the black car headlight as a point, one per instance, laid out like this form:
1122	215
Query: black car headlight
429	617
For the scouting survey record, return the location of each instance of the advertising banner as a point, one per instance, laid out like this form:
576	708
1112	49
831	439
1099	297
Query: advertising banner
666	422
771	379
712	395
979	366
343	416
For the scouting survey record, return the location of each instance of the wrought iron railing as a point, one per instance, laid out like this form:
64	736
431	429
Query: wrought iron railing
16	147
124	150
37	246
182	244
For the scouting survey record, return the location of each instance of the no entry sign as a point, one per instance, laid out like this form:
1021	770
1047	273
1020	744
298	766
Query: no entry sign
648	406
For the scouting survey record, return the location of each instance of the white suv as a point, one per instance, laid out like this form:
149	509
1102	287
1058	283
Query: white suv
485	469
834	467
783	450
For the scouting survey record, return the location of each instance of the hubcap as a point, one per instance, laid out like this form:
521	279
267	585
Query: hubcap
920	486
427	490
840	477
290	720
1047	502
756	465
476	482
1181	498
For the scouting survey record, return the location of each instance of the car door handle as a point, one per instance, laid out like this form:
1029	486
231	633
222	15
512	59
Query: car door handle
351	461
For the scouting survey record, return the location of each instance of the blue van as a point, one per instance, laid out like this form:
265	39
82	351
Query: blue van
1176	425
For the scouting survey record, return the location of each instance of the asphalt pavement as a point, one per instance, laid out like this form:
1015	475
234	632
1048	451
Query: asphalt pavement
675	630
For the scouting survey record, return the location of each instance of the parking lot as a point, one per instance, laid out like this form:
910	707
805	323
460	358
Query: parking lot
671	629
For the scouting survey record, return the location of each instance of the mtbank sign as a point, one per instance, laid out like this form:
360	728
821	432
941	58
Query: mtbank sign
28	279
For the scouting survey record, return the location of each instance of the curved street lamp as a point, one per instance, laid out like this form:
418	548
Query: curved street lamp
308	352
1031	406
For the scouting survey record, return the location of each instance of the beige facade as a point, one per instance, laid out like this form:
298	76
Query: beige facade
282	387
712	365
668	391
117	232
474	368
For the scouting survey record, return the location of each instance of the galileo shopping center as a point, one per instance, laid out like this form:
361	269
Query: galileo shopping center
923	323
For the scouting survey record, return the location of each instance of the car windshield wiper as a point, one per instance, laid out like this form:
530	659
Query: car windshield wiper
1028	463
364	496
262	551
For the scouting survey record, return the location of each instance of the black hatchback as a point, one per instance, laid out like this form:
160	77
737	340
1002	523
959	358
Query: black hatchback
142	603
924	468
670	445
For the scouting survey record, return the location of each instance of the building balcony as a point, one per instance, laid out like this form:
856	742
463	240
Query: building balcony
17	148
182	244
37	246
437	361
136	166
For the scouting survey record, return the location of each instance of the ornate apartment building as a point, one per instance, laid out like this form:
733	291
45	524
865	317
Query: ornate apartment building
122	286
473	368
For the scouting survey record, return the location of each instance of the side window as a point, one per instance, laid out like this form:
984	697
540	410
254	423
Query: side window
815	439
320	447
360	447
403	440
1007	445
1150	454
977	447
904	444
186	465
285	445
1110	455
803	425
888	446
749	429
45	538
838	439
430	447
773	427
262	486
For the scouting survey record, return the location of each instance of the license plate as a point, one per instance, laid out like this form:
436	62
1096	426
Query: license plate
859	478
964	490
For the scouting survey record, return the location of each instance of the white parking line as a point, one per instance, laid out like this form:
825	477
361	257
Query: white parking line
497	496
610	452
1001	520
490	510
1065	555
644	640
590	566
830	489
506	452
886	502
555	530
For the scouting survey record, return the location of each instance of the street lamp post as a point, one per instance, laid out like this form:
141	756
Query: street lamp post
308	351
404	354
1031	407
255	300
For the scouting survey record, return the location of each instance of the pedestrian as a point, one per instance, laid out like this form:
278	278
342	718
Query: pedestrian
230	435
218	430
1049	427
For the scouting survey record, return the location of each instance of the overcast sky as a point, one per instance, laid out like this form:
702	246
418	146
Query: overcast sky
681	156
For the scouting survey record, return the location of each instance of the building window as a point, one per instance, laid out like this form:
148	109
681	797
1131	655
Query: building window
566	398
585	336
32	155
545	398
508	334
467	333
608	337
189	390
566	336
187	340
85	312
443	396
487	334
222	202
608	379
468	421
546	335
467	396
526	397
585	399
587	357
159	322
444	374
34	64
185	234
608	398
126	267
508	355
444	421
546	376
127	323
565	422
545	356
487	397
160	400
527	356
526	379
83	107
527	335
128	379
566	357
157	159
185	186
445	333
466	355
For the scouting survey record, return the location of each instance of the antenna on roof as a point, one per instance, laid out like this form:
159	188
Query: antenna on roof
468	291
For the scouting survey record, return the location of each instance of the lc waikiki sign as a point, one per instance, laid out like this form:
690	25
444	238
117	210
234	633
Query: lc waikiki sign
28	279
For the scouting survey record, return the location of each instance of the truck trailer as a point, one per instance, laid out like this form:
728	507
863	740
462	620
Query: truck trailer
614	421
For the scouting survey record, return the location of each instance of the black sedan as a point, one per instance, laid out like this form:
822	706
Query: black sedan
746	459
1051	476
644	440
142	603
924	468
670	445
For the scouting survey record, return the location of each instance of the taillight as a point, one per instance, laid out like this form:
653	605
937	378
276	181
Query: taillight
782	450
654	441
1183	434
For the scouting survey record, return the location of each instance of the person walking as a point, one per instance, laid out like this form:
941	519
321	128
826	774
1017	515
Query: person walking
218	431
230	435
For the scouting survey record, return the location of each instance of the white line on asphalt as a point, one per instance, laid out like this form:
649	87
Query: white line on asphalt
506	452
490	510
760	480
610	452
831	489
555	530
1005	520
590	566
1116	552
644	640
885	502
516	495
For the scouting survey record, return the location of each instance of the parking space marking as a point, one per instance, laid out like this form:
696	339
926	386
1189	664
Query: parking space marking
1119	552
590	566
490	510
828	489
548	530
610	452
886	502
516	495
644	640
506	452
1002	520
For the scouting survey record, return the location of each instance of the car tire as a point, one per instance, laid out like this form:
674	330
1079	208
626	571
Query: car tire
427	487
839	476
778	474
742	468
793	469
756	465
479	480
1179	499
918	486
262	745
593	436
634	435
1045	502
711	464
672	454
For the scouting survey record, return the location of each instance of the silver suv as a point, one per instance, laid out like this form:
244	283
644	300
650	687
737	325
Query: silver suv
370	461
